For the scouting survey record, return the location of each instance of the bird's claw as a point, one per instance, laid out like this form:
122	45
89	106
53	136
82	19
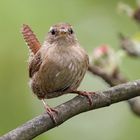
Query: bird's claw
51	112
88	95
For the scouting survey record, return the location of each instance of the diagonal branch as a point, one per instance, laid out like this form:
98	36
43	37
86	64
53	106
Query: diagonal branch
77	105
114	80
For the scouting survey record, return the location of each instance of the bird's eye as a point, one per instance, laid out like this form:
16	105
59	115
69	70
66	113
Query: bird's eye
53	31
71	31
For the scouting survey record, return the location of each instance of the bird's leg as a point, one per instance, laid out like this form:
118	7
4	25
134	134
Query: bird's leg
50	111
86	94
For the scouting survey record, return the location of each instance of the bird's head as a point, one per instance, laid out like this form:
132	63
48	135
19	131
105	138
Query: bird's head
61	33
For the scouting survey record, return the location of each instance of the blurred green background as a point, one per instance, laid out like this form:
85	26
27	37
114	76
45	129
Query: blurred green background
95	22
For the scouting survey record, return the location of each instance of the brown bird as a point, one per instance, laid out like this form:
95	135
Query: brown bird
57	67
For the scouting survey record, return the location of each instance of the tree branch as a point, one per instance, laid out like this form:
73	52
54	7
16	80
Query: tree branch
114	80
77	105
129	45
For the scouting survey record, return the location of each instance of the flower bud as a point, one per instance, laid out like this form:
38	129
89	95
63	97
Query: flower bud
105	59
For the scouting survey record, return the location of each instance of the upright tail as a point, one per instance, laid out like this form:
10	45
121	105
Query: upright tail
30	38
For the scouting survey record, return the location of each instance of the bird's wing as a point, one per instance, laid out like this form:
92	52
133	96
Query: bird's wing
34	64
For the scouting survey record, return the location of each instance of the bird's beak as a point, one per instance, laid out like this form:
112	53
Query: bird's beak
63	31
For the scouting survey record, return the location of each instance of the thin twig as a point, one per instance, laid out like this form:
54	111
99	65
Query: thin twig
113	80
116	79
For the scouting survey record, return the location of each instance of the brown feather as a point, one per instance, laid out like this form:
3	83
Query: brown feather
34	64
30	39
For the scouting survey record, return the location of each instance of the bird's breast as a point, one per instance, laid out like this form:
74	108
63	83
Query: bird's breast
61	68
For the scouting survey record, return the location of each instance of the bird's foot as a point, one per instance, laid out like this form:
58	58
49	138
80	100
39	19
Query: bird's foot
51	112
86	94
